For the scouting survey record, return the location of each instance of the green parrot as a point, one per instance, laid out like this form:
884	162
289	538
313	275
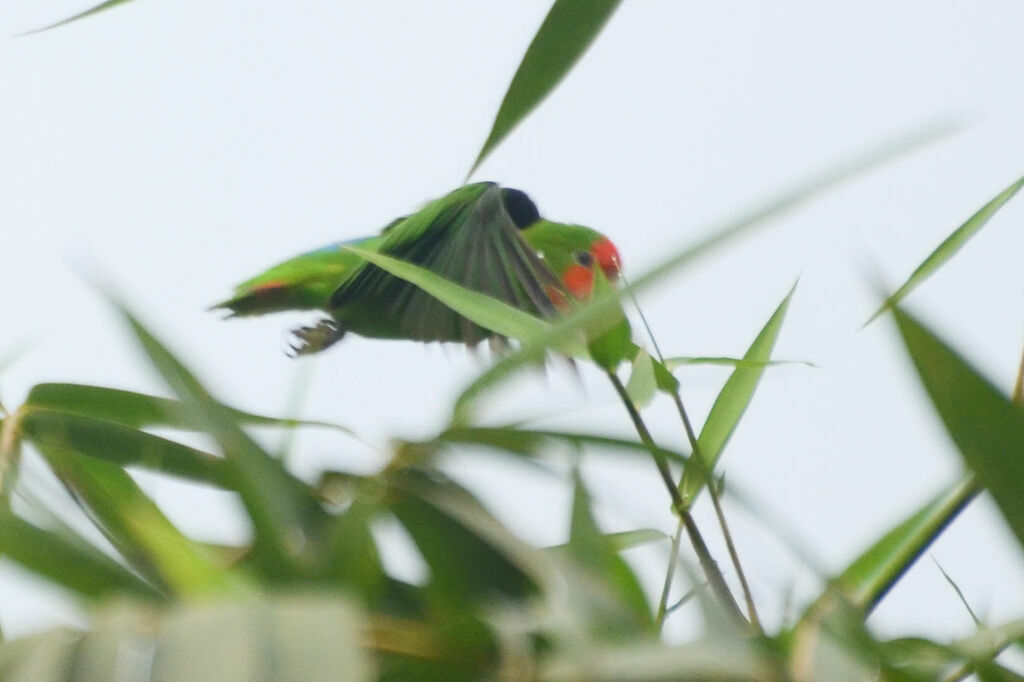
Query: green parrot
484	237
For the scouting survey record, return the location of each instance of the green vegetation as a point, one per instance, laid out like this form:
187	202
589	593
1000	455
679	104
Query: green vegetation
309	597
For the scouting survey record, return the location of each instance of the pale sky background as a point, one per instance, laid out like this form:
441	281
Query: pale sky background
179	147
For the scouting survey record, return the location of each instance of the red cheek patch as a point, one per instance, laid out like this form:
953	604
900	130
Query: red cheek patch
579	281
607	256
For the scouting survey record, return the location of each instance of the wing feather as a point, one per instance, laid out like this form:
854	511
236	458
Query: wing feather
467	237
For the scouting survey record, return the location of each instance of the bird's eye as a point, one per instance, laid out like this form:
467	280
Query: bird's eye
583	258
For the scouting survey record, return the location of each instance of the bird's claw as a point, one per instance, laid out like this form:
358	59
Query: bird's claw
313	339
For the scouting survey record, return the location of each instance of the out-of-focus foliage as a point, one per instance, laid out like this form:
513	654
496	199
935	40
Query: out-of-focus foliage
309	597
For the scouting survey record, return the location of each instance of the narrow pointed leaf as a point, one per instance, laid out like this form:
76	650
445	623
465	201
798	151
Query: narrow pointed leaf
535	441
591	549
732	402
986	426
121	445
948	248
684	361
870	576
70	563
286	515
708	659
135	525
139	410
604	309
568	30
103	6
484	310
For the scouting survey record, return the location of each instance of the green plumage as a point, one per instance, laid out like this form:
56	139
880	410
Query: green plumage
481	236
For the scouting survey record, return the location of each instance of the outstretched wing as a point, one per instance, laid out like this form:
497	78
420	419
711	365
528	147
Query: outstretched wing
468	237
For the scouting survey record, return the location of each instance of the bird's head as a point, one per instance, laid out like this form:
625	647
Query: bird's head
575	253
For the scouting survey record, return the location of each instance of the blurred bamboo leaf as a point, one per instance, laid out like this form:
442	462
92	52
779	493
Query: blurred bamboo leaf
986	426
445	540
948	248
732	402
568	30
121	445
81	15
534	441
292	638
136	526
355	562
602	310
69	562
642	384
872	574
933	660
708	659
627	539
139	410
591	549
681	361
286	516
484	310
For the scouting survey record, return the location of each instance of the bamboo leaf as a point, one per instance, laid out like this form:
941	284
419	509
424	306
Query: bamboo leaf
986	426
121	445
139	410
445	540
292	638
603	309
286	515
868	578
484	310
103	6
709	658
684	361
534	441
568	30
948	248
732	402
135	525
69	562
627	610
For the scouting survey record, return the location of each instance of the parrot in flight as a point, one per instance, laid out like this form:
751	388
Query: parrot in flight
482	236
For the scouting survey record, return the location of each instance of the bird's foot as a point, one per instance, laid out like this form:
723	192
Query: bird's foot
309	340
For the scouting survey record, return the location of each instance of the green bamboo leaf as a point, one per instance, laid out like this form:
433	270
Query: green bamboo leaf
484	310
986	426
868	578
568	30
355	561
69	562
120	444
732	402
627	611
519	566
948	248
684	361
602	311
103	6
535	441
286	516
709	659
136	526
939	661
139	410
447	542
873	573
291	638
626	539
